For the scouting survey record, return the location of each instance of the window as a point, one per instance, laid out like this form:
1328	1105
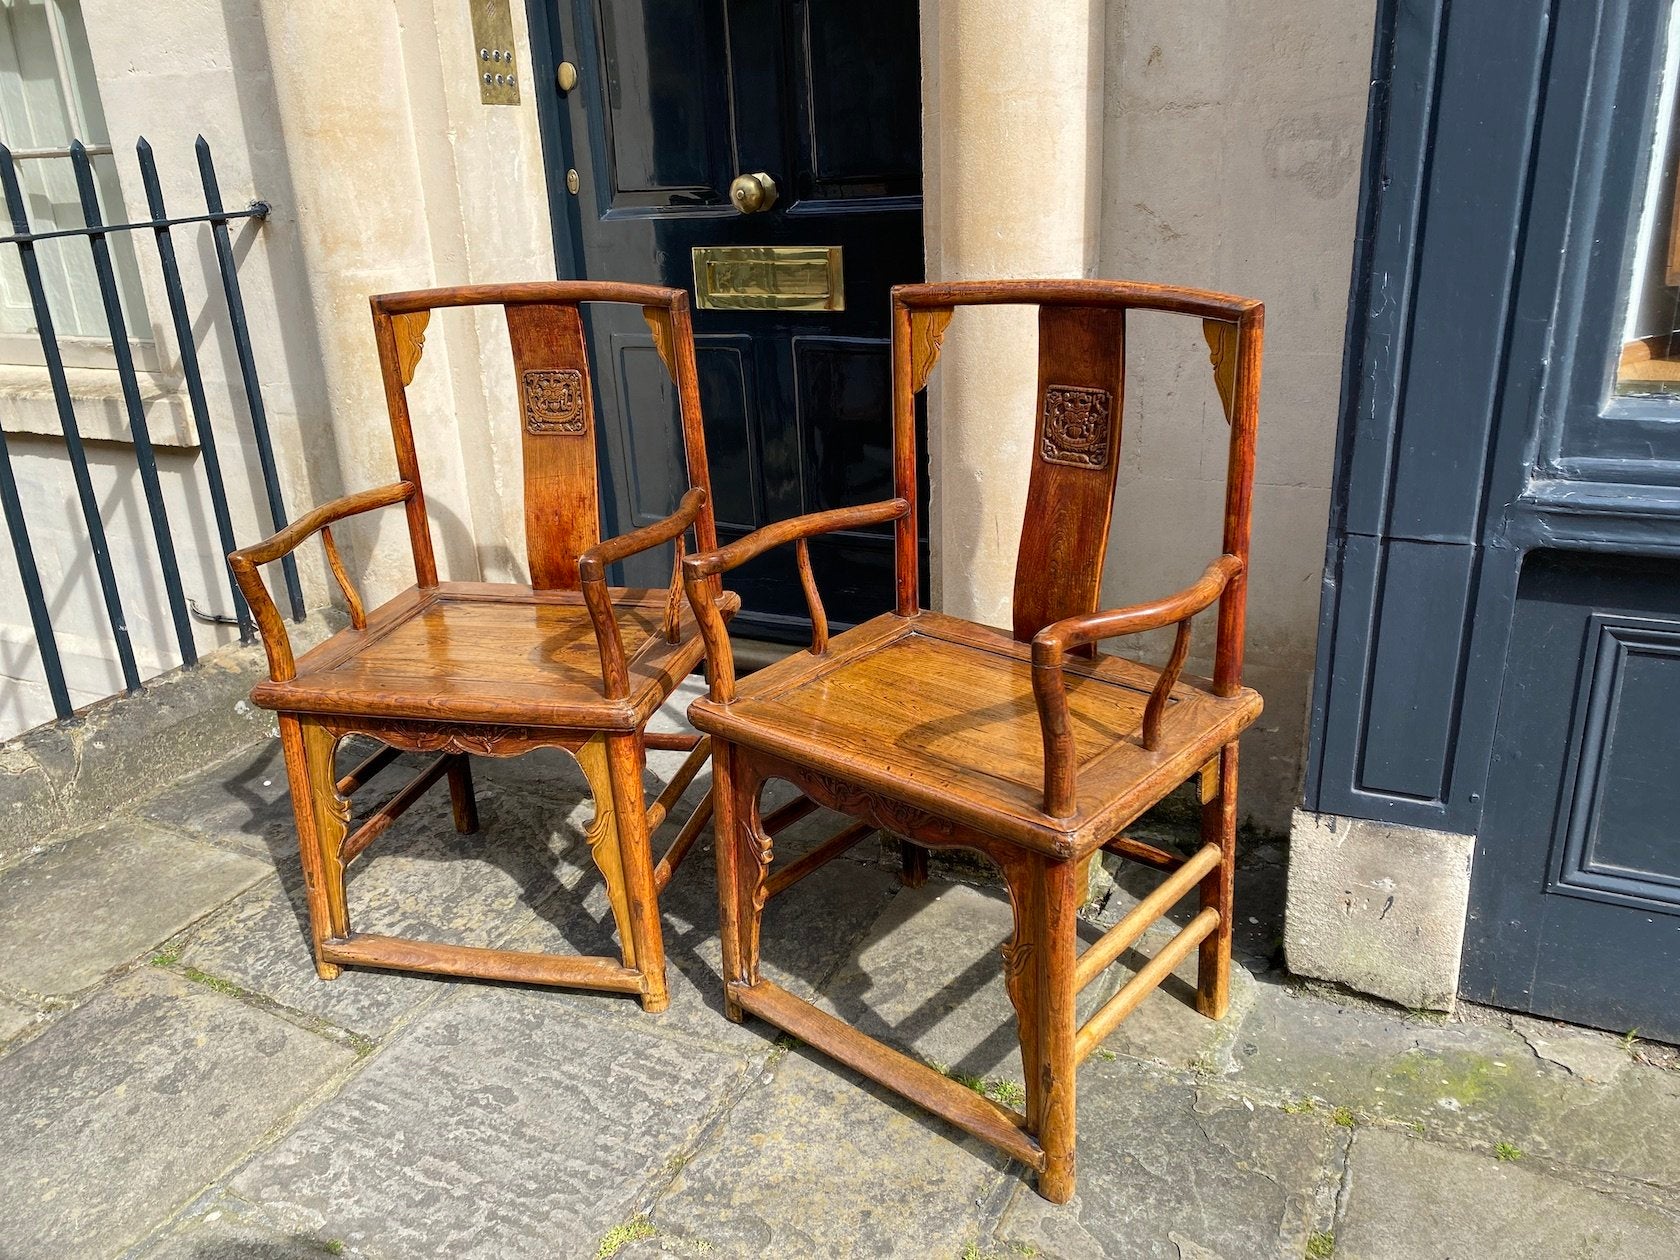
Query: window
48	97
1650	353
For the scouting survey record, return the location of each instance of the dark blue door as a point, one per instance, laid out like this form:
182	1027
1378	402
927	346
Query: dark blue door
818	101
1500	643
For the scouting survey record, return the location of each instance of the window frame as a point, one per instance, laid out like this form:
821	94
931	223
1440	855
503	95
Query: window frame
143	323
1587	432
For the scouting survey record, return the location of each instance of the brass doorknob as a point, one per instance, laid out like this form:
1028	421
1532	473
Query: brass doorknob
752	193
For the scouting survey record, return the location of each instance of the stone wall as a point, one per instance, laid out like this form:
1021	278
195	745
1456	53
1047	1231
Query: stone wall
1232	139
1212	143
360	123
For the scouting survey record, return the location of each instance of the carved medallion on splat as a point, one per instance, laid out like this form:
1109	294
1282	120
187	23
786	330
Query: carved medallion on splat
554	400
1078	426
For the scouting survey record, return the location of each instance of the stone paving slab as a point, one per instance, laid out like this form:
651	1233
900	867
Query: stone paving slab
499	1120
231	1228
70	914
1168	1171
493	1128
421	878
65	777
808	931
243	802
128	1106
928	980
816	1161
1470	1084
14	1019
1412	1200
1592	1056
1167	1029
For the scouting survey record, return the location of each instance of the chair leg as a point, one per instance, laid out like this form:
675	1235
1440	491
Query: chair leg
726	849
604	845
743	861
322	821
461	799
1039	968
913	864
1082	878
1219	826
724	854
625	759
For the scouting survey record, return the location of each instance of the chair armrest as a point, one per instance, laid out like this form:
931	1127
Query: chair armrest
701	568
244	562
1052	644
592	575
592	564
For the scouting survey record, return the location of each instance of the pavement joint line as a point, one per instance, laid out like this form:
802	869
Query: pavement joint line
660	1183
205	1200
26	997
322	1027
329	1088
1340	1168
56	1003
1635	1190
1629	1188
1010	1180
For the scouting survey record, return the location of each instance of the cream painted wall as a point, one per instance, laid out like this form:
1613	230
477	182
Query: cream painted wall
1233	134
1213	143
360	123
423	186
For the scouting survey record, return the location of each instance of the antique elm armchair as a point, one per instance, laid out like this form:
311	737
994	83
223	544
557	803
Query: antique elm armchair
495	669
1029	746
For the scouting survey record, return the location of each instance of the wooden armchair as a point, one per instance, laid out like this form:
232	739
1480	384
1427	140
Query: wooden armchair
494	670
1029	747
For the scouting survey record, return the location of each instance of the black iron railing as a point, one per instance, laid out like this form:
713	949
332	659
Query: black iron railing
97	232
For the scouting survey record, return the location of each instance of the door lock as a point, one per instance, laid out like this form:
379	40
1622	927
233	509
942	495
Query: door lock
753	193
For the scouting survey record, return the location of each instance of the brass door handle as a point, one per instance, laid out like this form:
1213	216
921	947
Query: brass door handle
752	193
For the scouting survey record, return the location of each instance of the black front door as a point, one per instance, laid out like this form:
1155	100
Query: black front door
674	101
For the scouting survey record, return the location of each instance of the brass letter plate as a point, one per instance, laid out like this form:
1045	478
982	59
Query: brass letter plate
769	278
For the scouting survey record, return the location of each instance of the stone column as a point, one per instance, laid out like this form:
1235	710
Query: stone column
1011	124
396	176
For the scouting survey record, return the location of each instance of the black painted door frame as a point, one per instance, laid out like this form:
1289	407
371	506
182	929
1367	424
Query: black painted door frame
1476	456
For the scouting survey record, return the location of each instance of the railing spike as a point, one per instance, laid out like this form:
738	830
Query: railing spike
145	458
247	364
176	296
86	498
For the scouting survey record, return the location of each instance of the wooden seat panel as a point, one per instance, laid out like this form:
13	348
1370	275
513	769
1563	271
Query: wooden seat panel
941	712
464	651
